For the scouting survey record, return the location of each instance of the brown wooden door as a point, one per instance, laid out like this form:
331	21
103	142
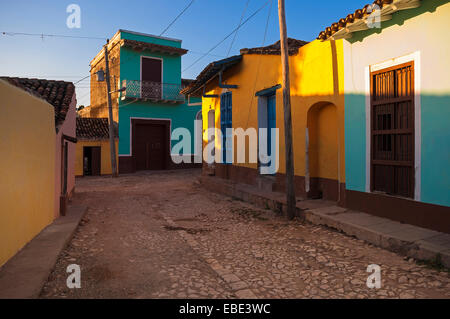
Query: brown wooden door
151	74
96	160
149	146
392	127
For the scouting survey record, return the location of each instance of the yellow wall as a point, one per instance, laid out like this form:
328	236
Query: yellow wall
316	75
105	156
27	164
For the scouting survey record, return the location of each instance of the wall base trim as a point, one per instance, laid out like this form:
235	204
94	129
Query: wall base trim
407	211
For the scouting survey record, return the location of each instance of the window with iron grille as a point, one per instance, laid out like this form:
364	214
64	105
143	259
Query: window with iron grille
392	130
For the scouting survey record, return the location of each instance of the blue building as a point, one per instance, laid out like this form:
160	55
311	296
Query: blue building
145	73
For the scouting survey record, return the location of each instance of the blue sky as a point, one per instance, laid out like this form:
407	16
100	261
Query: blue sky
202	26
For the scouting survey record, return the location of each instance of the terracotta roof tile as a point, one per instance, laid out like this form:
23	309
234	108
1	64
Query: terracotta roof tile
293	46
93	128
358	14
57	93
209	72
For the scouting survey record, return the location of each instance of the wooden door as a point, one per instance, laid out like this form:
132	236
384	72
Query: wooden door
392	130
151	77
150	146
96	160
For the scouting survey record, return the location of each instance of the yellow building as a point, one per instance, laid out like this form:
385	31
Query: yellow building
93	155
27	189
249	83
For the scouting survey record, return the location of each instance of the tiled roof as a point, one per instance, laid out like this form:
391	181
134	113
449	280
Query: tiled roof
93	128
139	45
215	67
57	93
357	21
293	46
209	72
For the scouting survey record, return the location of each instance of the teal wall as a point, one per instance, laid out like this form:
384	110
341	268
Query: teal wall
181	115
355	142
130	65
435	146
435	149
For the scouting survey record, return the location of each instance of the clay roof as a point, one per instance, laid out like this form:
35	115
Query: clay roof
215	67
57	93
356	21
293	46
93	128
139	45
211	71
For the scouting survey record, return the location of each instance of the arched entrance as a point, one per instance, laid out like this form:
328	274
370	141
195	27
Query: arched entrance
322	153
198	138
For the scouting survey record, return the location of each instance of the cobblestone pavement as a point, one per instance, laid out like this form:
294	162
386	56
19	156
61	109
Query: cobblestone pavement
160	235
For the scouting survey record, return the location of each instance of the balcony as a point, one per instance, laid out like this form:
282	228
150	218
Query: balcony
152	91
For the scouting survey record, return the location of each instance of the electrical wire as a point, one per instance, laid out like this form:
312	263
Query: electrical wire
229	35
176	18
240	21
259	64
42	35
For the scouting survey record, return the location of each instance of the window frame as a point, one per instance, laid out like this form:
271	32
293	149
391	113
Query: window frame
410	98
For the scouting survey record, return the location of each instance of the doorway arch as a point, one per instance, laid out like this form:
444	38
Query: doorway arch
322	152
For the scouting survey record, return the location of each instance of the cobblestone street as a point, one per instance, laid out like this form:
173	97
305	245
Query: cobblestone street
161	235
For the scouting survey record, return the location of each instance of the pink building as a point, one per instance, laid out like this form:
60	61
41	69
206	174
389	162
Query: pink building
61	95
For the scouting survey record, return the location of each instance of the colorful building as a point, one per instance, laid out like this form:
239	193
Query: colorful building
37	157
150	106
61	95
93	155
244	92
397	115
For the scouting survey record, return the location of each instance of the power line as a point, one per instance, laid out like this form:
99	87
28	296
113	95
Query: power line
259	63
235	34
229	35
42	35
82	79
176	18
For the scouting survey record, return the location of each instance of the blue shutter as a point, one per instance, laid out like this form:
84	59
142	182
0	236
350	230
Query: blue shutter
271	121
225	121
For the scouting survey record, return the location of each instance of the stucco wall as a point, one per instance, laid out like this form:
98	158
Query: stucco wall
105	155
27	164
68	128
99	98
181	115
418	34
316	75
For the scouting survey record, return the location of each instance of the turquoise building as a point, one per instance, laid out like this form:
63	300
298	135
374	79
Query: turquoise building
149	104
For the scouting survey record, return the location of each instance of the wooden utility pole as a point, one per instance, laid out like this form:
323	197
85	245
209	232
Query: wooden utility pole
290	192
112	143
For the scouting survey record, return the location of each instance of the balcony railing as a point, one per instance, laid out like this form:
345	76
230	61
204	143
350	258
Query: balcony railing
152	91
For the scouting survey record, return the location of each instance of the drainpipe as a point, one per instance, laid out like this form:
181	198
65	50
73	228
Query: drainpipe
225	86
